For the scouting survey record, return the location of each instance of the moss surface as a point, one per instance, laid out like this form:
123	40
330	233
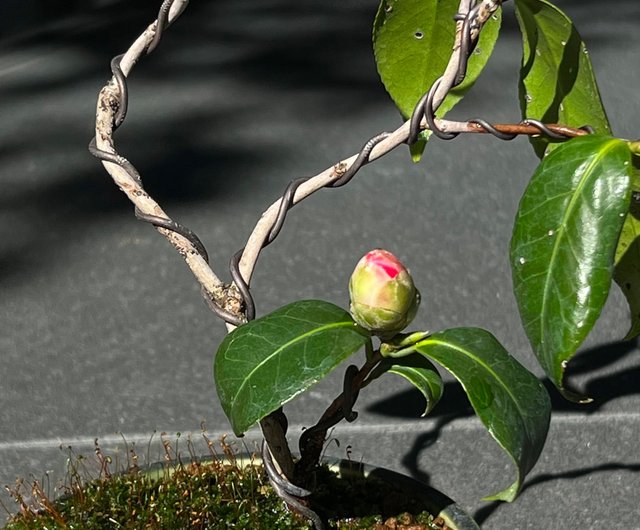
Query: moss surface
214	495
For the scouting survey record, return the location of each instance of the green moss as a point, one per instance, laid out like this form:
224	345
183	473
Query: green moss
210	495
207	495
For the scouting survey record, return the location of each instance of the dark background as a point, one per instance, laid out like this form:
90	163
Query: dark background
102	328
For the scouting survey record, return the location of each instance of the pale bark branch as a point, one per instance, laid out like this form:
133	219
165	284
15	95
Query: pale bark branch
109	100
261	231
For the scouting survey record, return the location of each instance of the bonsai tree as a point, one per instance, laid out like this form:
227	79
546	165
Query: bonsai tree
575	231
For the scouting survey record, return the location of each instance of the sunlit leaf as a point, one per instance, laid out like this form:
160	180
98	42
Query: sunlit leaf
412	42
627	261
510	401
263	364
557	83
419	371
563	245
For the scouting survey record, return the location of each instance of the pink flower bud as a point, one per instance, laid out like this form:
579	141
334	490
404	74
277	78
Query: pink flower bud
383	297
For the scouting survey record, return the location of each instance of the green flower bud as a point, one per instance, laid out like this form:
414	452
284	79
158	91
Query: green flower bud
383	297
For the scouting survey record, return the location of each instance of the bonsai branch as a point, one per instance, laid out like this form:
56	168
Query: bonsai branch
469	22
511	130
312	440
110	113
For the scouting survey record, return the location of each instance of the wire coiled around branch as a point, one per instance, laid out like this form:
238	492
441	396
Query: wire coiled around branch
288	492
425	107
286	203
166	223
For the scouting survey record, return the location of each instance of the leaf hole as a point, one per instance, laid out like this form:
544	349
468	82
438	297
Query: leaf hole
418	35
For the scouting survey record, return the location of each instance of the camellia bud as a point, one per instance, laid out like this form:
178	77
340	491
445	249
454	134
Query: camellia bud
383	297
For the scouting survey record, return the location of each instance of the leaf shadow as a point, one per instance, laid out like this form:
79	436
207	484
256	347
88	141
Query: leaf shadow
604	373
409	405
484	513
568	73
564	82
603	387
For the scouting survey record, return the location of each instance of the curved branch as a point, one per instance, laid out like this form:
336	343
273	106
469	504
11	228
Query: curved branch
258	237
111	107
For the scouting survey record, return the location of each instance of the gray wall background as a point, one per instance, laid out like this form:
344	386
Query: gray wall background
103	329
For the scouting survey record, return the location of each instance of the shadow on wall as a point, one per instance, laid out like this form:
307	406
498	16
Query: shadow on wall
61	50
20	15
286	46
17	16
455	405
485	512
57	60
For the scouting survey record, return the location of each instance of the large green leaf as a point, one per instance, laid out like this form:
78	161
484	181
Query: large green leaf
563	245
627	261
512	404
266	362
419	371
412	43
557	84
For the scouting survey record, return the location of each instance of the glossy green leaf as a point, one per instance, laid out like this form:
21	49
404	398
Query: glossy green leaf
419	371
627	261
563	245
265	363
510	401
557	84
412	43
